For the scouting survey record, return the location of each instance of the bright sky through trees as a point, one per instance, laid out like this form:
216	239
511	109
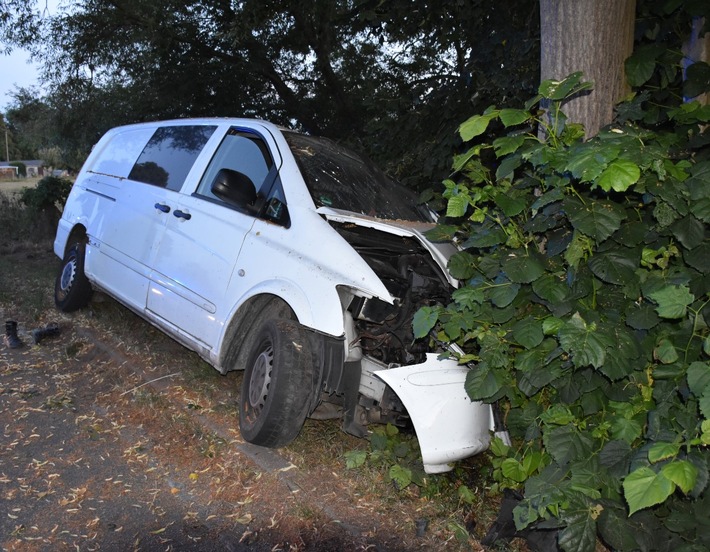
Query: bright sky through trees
16	68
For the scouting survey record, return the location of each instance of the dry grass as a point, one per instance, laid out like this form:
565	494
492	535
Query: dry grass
21	229
17	185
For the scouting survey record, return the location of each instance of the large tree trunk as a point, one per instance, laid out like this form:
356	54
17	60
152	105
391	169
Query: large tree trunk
697	48
592	36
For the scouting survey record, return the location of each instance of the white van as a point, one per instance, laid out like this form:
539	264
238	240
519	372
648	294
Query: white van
280	254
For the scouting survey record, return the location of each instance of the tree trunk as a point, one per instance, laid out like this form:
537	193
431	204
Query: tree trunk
697	48
592	36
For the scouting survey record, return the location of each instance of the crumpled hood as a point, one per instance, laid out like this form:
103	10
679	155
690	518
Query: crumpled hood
440	252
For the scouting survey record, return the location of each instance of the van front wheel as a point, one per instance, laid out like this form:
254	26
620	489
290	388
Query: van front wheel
72	289
277	384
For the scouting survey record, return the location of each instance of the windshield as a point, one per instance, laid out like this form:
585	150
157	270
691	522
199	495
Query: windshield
338	178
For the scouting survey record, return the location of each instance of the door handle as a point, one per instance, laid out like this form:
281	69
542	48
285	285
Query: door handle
182	214
162	207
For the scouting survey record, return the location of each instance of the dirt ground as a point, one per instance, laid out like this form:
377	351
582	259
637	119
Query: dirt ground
114	437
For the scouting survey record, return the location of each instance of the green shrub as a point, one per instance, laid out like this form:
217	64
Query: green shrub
583	312
50	194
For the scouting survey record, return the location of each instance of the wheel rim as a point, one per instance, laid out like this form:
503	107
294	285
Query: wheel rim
261	378
67	277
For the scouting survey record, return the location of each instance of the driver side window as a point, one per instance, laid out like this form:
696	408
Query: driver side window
243	160
246	154
241	152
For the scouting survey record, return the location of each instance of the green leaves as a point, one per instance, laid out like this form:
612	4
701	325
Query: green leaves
424	320
528	332
641	64
617	266
662	451
689	231
462	266
699	383
644	487
586	344
476	125
585	308
513	117
597	219
483	382
561	90
522	268
697	80
619	176
682	473
699	378
673	301
400	476
355	459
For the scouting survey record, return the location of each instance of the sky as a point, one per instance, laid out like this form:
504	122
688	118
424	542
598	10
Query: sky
16	71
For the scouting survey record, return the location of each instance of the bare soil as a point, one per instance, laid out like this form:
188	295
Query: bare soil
114	437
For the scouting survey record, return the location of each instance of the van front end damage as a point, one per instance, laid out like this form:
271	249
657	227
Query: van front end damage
401	380
448	424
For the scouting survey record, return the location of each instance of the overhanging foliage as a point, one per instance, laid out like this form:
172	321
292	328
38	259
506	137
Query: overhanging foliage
586	270
391	79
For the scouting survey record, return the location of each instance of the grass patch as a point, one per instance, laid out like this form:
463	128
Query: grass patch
27	285
26	276
23	230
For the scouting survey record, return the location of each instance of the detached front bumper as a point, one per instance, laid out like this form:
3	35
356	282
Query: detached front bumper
449	425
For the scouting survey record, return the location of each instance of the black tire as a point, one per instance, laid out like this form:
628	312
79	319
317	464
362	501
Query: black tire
277	384
72	289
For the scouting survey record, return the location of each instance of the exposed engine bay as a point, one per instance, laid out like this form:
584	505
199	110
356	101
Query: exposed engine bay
383	332
410	274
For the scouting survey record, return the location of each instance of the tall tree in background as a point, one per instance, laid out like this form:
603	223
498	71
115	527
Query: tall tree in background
393	79
592	36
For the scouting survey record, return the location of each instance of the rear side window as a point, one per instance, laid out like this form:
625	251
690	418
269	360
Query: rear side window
119	155
169	155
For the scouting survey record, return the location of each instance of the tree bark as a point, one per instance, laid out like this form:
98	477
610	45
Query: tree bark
592	36
697	48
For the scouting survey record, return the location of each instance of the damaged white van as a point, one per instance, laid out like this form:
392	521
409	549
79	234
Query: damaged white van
280	254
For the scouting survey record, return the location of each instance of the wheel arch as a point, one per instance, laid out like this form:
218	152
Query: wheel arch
236	339
78	233
318	309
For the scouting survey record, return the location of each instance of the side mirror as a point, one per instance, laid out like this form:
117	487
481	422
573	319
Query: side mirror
235	188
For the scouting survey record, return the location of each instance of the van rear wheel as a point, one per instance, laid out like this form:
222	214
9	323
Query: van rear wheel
72	289
277	384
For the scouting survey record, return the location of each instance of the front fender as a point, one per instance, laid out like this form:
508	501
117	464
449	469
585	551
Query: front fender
449	425
325	314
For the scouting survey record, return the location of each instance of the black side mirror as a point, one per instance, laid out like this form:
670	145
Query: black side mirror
235	188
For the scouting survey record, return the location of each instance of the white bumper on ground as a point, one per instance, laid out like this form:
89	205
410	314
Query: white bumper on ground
449	425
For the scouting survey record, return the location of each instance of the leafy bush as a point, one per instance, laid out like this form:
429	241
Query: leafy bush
50	194
586	270
399	453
